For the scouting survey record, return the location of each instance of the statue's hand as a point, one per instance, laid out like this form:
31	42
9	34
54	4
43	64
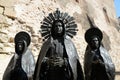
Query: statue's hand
46	59
96	58
98	61
95	62
58	61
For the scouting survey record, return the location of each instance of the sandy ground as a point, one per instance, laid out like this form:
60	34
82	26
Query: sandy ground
4	60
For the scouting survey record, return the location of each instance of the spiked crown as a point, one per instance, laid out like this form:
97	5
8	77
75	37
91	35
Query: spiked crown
68	22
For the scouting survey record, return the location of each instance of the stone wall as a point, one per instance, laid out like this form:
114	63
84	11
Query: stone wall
26	15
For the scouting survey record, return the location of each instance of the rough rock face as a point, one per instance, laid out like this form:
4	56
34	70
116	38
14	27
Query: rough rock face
26	15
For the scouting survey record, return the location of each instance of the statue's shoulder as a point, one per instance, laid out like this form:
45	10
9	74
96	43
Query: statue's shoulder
47	42
103	50
68	39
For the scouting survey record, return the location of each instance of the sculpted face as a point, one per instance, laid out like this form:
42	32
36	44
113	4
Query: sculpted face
58	28
19	47
95	43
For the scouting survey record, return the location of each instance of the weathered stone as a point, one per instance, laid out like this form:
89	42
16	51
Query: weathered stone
1	10
26	15
3	39
106	41
2	20
11	40
10	12
8	3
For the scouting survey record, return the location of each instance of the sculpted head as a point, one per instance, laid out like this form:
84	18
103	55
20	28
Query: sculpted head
94	42
93	37
58	29
20	47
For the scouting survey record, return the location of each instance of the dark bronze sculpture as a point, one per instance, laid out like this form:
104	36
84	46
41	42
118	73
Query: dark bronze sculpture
22	64
18	73
58	59
97	62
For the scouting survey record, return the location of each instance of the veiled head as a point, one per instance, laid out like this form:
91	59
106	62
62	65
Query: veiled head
58	29
20	47
95	42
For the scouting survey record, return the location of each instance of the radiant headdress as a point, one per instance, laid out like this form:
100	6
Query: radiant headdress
68	24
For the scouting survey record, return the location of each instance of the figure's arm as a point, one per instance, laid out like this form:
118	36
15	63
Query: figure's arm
44	68
98	60
111	72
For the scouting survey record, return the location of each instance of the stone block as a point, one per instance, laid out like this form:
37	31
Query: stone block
10	12
7	3
1	10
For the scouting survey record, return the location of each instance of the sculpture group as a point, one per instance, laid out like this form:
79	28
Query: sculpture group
58	58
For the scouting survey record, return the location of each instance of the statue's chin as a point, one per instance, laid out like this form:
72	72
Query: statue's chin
59	32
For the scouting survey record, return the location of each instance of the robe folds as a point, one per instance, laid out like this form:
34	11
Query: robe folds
28	65
109	67
72	59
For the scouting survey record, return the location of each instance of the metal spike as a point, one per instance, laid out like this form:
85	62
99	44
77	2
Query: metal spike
47	36
72	25
69	34
45	29
50	19
43	26
73	33
71	19
52	16
69	29
64	15
65	19
72	22
58	11
57	14
46	26
67	16
61	15
47	20
45	23
45	33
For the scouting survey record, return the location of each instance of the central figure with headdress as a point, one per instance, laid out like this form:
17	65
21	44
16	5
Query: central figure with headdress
58	58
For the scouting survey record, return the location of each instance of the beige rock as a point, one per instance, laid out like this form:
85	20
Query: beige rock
8	3
1	10
11	40
26	15
10	12
2	20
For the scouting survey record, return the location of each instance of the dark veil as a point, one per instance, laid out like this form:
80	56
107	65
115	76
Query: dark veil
28	62
88	57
